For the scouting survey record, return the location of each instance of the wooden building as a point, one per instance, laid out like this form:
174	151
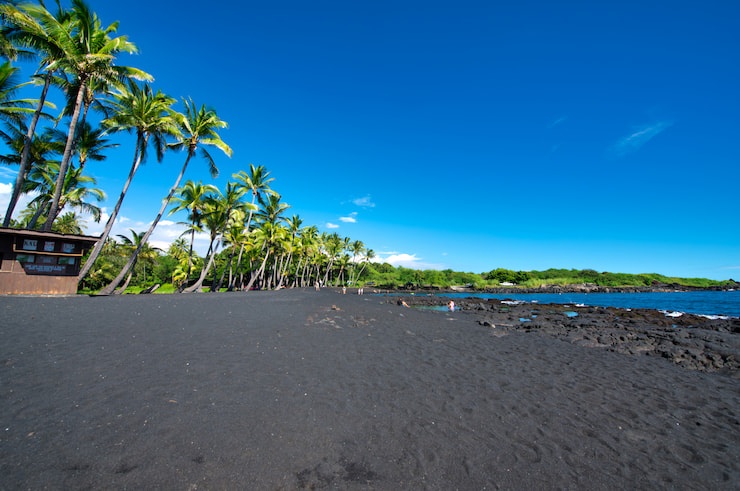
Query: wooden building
40	263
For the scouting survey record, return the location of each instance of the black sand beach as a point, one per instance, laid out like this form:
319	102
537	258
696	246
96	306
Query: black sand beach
300	389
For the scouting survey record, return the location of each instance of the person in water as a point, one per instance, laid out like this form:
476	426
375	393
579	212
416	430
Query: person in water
451	306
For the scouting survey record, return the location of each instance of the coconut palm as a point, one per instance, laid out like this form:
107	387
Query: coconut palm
26	31
197	128
356	248
369	256
333	247
89	56
149	114
146	255
12	111
294	226
234	237
257	182
193	198
267	237
226	210
76	192
41	150
69	223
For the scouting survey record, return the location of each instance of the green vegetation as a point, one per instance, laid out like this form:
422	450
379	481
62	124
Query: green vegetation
386	276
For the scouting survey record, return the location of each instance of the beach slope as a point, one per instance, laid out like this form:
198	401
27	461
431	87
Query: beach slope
300	389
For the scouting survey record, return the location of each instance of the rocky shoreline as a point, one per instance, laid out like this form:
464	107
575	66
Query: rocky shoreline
691	341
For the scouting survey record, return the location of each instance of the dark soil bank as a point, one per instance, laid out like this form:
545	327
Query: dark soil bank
300	389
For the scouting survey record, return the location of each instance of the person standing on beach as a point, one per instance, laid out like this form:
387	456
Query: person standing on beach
451	306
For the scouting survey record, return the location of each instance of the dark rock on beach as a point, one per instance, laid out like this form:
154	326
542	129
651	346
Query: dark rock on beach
690	341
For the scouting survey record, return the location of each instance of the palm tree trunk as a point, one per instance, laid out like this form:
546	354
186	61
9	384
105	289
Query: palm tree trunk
212	256
112	219
261	270
35	218
232	281
228	266
119	291
26	154
66	157
113	284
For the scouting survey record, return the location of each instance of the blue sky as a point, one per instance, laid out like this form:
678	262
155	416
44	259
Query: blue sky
467	135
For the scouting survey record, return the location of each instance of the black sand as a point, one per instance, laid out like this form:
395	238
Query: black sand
279	390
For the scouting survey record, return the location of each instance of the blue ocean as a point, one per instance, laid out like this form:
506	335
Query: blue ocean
711	303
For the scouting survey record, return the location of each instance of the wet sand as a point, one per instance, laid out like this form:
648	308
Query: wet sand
300	389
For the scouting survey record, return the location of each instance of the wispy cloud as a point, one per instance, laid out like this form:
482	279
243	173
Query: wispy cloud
351	218
331	225
560	120
364	202
639	137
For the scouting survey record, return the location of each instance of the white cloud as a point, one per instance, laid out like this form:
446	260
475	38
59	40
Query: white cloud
6	189
406	260
639	137
364	202
349	219
558	121
331	225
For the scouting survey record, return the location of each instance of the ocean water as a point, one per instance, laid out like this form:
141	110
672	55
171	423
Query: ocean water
722	303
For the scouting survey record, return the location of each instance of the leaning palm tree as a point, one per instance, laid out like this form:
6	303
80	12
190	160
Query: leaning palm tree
226	211
356	248
26	31
197	128
90	52
150	115
193	197
257	183
146	254
76	193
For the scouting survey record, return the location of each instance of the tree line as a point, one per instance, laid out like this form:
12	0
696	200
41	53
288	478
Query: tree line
247	222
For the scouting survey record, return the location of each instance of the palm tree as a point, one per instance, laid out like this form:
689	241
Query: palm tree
193	197
90	53
294	226
75	194
257	182
69	223
146	253
356	248
12	111
41	149
91	145
150	115
25	27
234	237
268	236
226	210
197	127
333	247
369	256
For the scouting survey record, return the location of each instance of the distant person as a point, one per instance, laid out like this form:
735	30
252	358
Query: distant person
360	291
344	290
317	286
451	306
